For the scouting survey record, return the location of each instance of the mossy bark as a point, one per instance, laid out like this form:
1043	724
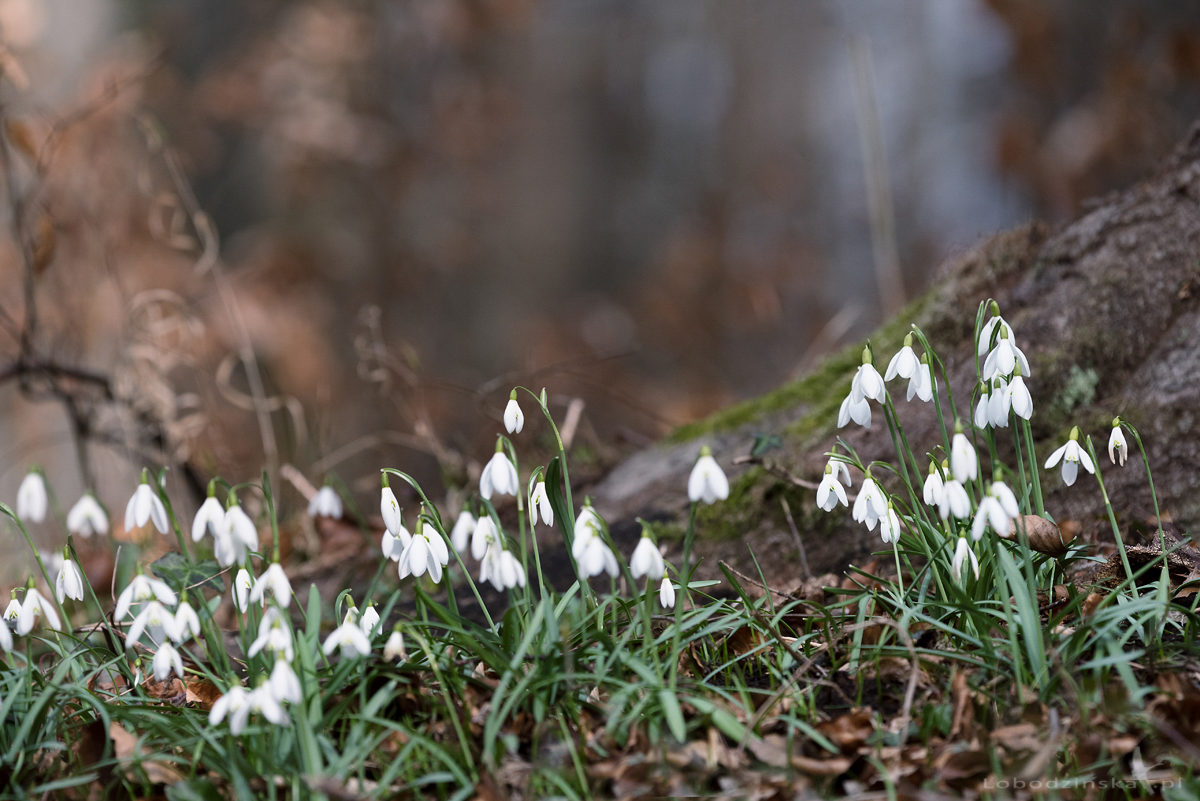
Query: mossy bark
1107	310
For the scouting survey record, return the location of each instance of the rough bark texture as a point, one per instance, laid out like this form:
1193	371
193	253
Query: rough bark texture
1107	310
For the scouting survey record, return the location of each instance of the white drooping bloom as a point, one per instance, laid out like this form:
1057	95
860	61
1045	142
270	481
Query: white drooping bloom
274	636
707	483
867	382
870	505
904	363
208	520
539	505
1118	449
591	552
349	638
963	554
1019	399
829	491
369	621
997	509
666	594
69	582
153	619
999	403
514	418
393	545
501	568
499	476
393	649
326	503
854	409
284	684
167	661
1072	455
274	581
35	606
143	588
460	535
426	552
243	583
12	612
32	498
985	334
238	536
964	464
485	534
954	501
235	704
187	624
646	560
981	418
389	508
931	492
87	517
146	507
263	701
1005	358
920	384
889	526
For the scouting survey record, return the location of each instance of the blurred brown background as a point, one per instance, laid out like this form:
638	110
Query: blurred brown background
656	206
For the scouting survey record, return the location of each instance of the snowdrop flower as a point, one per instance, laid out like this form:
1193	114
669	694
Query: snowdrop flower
889	526
871	504
32	498
187	624
514	418
501	568
274	635
539	505
166	662
707	483
997	509
981	418
275	581
393	649
389	508
985	334
857	410
393	545
904	363
13	610
238	533
146	507
1004	358
1019	399
209	517
954	501
87	517
464	527
964	464
236	704
143	588
646	560
1118	449
243	583
485	534
920	384
867	382
499	475
154	619
425	552
1072	456
350	639
263	701
963	553
999	403
369	621
666	594
326	503
591	552
830	492
69	582
932	491
284	684
33	606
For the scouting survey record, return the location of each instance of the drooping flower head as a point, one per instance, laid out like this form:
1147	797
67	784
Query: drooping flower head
501	568
1118	449
829	491
904	363
514	418
275	582
646	560
87	517
69	582
499	474
33	607
539	505
460	535
1072	455
325	503
666	594
142	588
871	503
426	552
964	463
389	509
146	507
591	552
920	383
707	483
209	516
32	498
962	555
997	509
